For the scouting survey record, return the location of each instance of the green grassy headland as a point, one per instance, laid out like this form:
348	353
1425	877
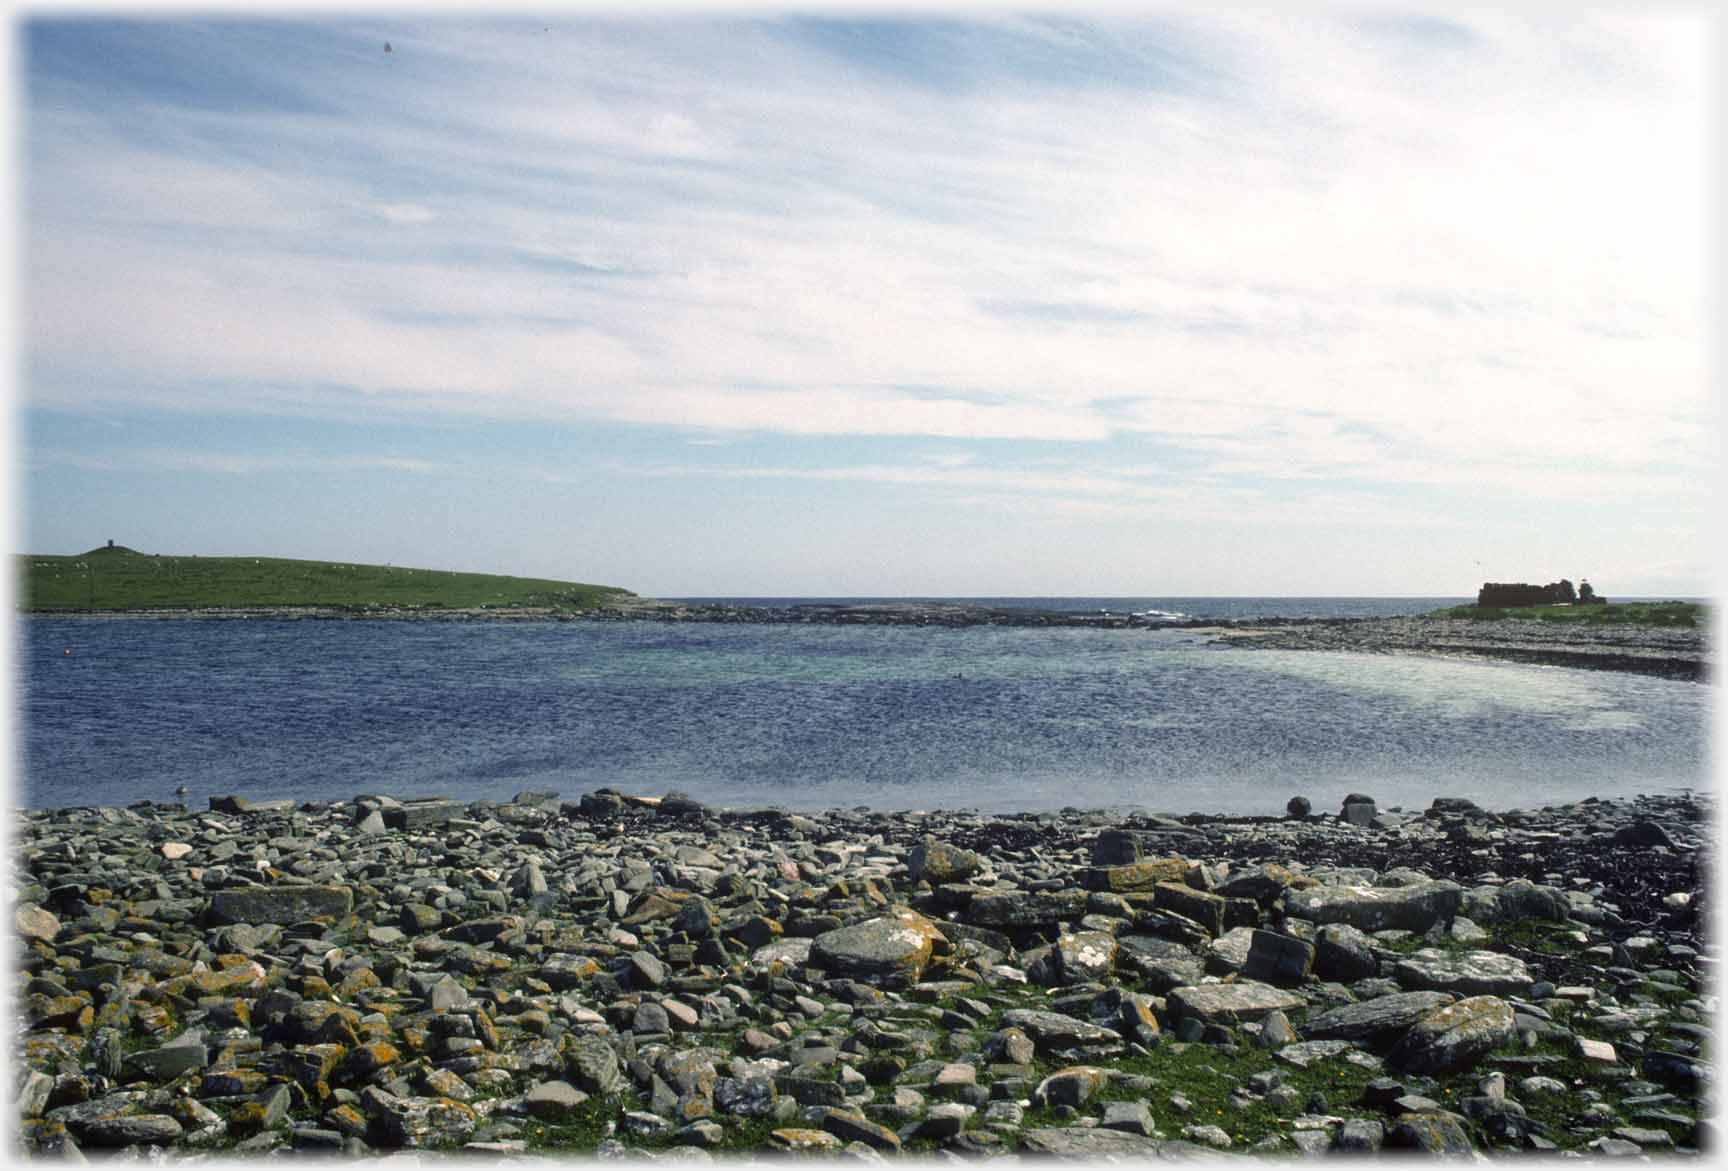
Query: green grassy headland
1629	613
118	578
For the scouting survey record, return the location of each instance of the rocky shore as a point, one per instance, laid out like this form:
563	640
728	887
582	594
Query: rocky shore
622	975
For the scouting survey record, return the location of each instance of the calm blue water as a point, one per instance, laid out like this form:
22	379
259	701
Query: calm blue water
815	717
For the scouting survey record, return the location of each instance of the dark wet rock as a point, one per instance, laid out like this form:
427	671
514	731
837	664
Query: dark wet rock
165	1063
279	904
1344	953
1028	908
1278	959
680	804
421	814
1358	810
1360	1136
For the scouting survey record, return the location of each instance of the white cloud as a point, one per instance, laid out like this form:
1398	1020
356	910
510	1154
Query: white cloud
1329	248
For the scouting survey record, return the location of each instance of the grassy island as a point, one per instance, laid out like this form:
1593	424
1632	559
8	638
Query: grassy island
118	578
1687	614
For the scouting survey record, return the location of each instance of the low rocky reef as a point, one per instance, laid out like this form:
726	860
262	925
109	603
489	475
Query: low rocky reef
1668	652
622	975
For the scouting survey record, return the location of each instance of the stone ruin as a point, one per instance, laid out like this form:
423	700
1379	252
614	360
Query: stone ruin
1504	595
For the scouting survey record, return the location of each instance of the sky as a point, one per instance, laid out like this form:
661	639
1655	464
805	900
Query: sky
1183	301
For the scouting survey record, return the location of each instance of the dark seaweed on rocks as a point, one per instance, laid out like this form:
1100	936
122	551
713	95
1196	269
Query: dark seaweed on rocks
623	974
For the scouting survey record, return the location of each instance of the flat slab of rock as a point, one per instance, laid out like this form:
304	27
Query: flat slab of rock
1416	907
1474	973
279	904
1084	1142
1135	876
1383	1017
1228	1003
791	952
1027	908
1302	1054
1054	1030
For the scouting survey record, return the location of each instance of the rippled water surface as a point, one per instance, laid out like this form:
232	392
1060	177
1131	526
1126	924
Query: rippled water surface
813	716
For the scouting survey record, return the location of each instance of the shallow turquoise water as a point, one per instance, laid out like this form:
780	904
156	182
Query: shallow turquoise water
814	716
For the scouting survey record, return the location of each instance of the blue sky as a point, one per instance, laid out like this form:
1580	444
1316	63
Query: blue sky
1220	301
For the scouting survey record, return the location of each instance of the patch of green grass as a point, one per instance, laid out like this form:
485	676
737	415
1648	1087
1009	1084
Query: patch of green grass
582	1130
1206	1075
121	579
1683	614
1538	935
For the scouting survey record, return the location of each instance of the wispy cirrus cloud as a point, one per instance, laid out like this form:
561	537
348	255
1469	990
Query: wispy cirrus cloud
1351	253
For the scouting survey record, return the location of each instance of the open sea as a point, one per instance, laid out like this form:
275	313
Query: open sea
811	717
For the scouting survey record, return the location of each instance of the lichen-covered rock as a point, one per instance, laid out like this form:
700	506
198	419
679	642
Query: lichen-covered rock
1162	963
592	1064
850	1127
38	923
1073	1086
419	1122
1473	973
938	862
1434	1132
1454	1038
1085	955
1202	907
1135	876
891	951
803	1140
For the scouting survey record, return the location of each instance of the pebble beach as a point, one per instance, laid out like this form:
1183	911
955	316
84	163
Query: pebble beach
644	976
